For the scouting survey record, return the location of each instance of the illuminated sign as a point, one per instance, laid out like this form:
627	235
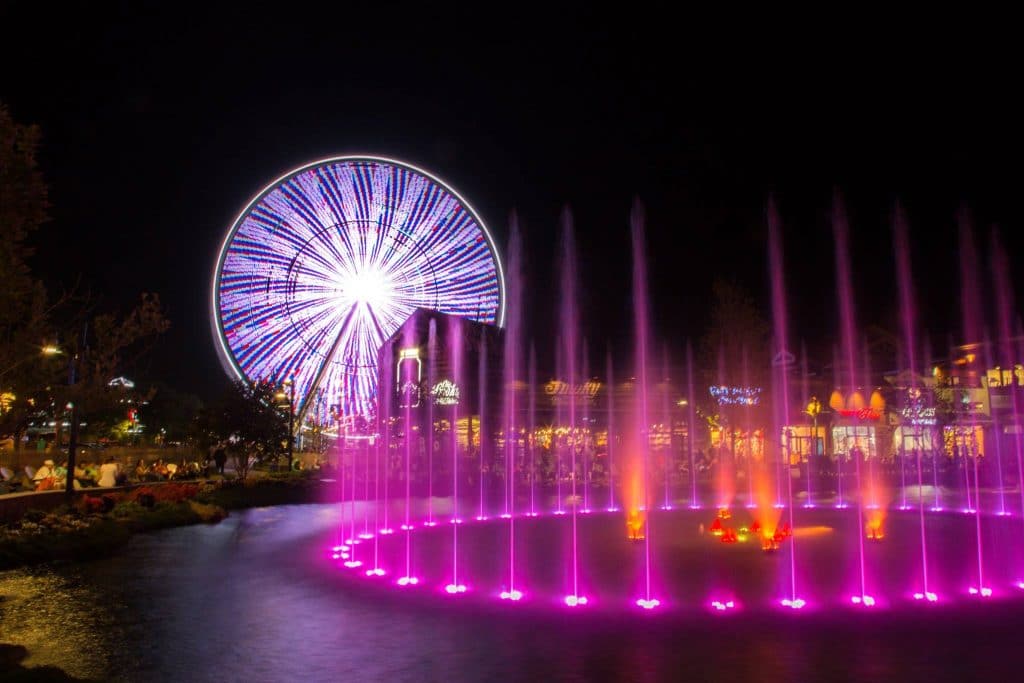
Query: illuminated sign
557	388
919	416
407	387
736	396
445	393
861	413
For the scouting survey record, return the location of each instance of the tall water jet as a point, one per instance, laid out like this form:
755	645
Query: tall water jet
454	335
483	432
610	379
642	332
531	441
666	416
691	432
431	381
586	432
848	331
971	314
746	419
908	318
410	392
805	393
569	321
781	344
511	363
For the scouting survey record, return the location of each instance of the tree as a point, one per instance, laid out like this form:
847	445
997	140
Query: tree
24	310
247	422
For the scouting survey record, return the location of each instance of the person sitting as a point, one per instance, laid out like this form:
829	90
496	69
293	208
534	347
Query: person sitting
141	470
171	469
108	473
160	469
44	472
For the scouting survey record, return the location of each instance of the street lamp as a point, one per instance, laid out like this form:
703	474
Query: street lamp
814	409
48	350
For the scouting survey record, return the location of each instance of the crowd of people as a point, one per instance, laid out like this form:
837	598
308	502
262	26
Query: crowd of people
106	474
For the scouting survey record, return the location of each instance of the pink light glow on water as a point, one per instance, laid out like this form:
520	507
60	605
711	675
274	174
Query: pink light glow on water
533	514
611	509
409	527
430	523
929	596
559	512
352	564
481	518
512	595
722	606
984	591
455	588
797	603
386	531
575	600
365	535
375	572
455	520
650	603
1020	584
506	516
865	600
408	581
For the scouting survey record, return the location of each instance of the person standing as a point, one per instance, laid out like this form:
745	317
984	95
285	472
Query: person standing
220	458
108	474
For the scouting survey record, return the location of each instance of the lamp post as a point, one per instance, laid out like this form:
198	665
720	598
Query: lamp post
814	409
69	478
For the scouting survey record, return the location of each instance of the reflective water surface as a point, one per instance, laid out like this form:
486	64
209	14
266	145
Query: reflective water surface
254	598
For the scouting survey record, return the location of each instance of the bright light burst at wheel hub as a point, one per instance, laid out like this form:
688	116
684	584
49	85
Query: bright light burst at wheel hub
329	260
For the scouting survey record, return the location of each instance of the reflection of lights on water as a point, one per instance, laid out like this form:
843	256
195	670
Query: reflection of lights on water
431	523
969	511
722	606
1004	513
408	527
984	592
408	581
927	595
366	536
842	506
513	595
559	512
666	507
506	516
611	509
865	600
796	603
481	518
648	604
575	600
809	506
936	508
375	572
905	507
455	520
454	588
533	514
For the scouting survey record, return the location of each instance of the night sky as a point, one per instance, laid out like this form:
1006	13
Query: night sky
160	122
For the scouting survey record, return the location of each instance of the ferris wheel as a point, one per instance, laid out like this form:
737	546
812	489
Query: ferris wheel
327	262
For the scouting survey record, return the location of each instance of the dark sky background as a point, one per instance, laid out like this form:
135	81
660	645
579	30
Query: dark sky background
160	121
